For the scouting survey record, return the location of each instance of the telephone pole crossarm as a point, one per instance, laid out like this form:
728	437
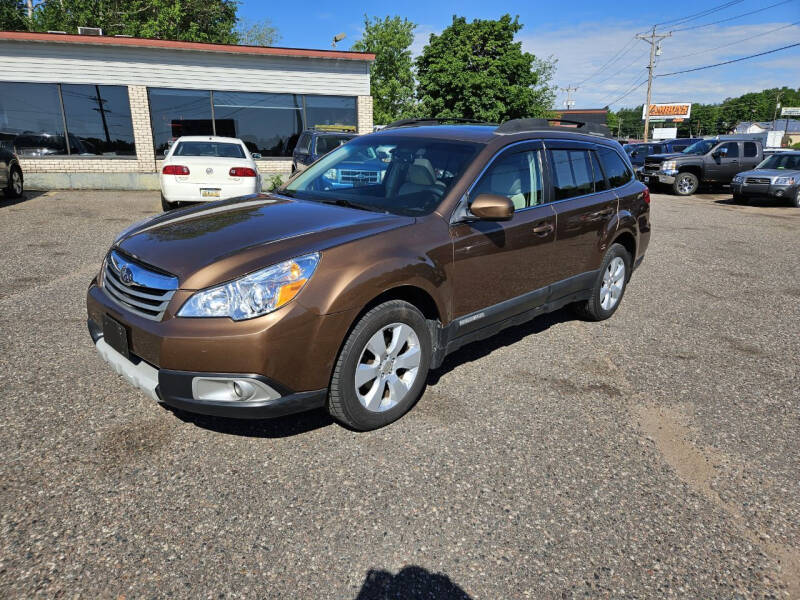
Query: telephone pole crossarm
653	39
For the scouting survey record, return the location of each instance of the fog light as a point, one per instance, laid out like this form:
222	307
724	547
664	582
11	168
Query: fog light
243	390
231	389
779	193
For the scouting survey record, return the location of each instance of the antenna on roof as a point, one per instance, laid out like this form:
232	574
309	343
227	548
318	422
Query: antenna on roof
338	38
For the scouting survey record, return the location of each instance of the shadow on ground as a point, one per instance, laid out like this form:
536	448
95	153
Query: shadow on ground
28	195
410	583
512	335
760	202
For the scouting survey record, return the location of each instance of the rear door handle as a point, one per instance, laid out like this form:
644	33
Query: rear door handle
543	229
602	213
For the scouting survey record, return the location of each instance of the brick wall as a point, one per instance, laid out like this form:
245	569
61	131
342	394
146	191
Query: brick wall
364	114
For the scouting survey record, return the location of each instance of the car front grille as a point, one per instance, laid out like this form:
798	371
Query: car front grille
355	176
137	288
764	180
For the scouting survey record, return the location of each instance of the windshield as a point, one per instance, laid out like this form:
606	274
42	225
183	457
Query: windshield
397	174
700	147
218	149
781	161
326	143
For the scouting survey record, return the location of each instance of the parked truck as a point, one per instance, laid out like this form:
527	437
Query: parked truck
711	161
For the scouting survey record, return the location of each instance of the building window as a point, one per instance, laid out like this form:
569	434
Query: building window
331	110
98	120
31	121
269	124
174	113
37	120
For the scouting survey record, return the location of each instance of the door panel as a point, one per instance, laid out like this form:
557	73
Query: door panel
498	261
581	219
723	168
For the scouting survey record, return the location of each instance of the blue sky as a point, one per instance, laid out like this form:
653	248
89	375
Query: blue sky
583	35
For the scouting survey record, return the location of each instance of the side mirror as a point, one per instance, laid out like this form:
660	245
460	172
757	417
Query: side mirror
720	152
255	155
491	207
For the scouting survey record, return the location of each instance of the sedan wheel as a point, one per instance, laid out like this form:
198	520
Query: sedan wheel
14	189
388	367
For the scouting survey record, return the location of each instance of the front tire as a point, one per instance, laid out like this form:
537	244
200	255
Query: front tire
796	200
382	368
685	184
15	188
609	287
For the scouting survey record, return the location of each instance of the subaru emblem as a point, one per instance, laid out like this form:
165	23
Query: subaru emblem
209	171
126	275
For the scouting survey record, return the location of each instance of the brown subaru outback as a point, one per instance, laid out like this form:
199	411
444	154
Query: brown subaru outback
346	286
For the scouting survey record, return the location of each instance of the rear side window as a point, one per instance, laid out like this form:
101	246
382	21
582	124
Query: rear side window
326	143
617	171
750	150
679	147
216	149
572	173
599	180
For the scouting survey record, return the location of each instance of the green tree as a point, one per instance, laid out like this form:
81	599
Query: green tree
13	16
257	33
476	70
186	20
391	78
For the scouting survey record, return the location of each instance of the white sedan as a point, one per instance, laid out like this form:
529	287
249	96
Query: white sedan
203	168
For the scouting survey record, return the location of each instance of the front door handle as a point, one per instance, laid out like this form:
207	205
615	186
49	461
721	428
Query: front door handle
543	229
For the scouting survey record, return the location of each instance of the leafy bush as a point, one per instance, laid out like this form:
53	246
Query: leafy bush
275	182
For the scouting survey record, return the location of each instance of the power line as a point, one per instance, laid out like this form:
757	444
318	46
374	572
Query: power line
622	51
727	62
629	92
705	50
700	14
623	69
752	12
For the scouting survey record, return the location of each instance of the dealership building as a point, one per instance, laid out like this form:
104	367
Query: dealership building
99	112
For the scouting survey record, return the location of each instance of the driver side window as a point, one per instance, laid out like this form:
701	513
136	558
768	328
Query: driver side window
517	176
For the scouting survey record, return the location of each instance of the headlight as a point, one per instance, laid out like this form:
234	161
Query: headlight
668	165
330	174
255	294
784	181
737	179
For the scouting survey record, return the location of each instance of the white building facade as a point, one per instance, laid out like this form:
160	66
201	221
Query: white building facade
99	112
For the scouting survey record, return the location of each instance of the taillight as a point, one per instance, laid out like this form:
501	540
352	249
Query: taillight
241	172
646	195
175	170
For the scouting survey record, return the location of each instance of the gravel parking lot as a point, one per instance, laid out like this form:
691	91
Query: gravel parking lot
652	455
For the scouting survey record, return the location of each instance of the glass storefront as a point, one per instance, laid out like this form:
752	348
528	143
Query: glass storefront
33	117
268	124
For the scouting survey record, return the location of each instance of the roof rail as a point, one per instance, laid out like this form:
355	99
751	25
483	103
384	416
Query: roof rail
522	125
433	121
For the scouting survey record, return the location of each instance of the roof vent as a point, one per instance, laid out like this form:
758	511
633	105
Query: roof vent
90	31
61	32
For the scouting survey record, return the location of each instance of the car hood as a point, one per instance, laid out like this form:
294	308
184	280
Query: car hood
665	156
220	241
770	173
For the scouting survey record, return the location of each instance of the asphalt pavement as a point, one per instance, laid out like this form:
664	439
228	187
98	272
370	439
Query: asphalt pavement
652	455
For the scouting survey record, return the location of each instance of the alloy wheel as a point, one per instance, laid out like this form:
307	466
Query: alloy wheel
16	183
387	367
685	185
613	283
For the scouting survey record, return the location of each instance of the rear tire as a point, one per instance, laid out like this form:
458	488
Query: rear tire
685	184
166	205
796	201
609	287
382	368
15	187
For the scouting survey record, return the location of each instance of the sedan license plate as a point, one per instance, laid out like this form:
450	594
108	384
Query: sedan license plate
116	335
209	192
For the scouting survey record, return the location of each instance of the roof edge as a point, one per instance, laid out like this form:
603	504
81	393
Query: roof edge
132	42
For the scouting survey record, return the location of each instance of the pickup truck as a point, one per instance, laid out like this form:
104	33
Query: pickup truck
713	161
638	152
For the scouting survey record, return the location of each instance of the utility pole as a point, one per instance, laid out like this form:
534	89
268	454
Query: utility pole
569	102
777	106
655	50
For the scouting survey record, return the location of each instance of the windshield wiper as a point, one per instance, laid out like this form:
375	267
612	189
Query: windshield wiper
351	204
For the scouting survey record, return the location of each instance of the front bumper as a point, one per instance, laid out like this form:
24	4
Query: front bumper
177	390
763	190
650	177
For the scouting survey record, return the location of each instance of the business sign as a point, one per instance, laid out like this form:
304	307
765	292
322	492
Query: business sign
665	133
790	111
668	112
